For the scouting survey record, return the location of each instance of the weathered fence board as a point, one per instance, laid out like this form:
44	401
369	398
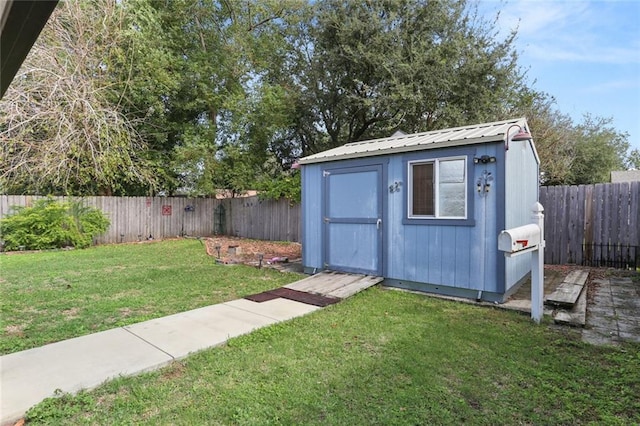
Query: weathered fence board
140	218
586	222
582	223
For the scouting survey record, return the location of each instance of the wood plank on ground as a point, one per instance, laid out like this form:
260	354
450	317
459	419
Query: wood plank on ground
356	287
565	294
578	277
307	282
569	290
325	282
577	316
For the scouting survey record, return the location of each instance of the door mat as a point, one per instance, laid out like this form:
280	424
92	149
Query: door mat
295	295
262	297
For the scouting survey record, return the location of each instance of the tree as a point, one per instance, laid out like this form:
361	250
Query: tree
572	153
633	160
61	127
599	149
224	107
188	96
361	70
553	133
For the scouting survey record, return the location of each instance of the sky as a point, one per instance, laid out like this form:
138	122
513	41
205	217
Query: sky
585	53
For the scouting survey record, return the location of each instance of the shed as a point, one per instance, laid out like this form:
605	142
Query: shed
423	210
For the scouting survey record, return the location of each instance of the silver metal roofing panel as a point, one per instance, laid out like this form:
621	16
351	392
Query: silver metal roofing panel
467	135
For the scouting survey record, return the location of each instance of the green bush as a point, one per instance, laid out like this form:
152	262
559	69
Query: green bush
52	224
286	185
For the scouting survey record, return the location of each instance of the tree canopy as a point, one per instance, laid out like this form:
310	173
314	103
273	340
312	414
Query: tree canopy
184	96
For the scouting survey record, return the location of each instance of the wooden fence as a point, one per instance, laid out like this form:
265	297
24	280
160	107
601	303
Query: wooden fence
592	224
587	224
140	218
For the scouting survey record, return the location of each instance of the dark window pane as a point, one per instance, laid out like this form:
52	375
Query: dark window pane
423	200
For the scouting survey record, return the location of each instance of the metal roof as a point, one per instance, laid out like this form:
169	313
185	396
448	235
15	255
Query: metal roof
458	136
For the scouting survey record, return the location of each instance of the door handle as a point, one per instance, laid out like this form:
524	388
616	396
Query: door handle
378	223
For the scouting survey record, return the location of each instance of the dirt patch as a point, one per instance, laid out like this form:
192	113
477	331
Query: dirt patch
70	314
14	330
173	371
241	250
593	283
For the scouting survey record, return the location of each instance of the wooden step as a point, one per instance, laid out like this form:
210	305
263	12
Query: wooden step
576	316
324	282
356	287
569	290
578	277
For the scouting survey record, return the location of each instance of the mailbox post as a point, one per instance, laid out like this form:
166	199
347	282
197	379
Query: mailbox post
525	239
537	267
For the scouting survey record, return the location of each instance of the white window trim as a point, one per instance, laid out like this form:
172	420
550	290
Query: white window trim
436	189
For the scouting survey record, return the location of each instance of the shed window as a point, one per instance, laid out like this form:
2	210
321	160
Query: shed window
438	189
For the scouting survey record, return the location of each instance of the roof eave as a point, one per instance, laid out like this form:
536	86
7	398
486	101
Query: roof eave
401	149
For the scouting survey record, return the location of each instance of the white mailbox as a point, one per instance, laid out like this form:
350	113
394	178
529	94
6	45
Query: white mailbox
519	240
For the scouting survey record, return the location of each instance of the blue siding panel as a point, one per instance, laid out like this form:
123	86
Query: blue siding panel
434	253
521	192
462	257
312	214
398	241
448	261
446	255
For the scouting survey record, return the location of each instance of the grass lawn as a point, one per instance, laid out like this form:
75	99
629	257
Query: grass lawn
381	357
56	295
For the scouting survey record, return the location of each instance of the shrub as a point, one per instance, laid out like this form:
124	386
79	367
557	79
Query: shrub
286	185
52	224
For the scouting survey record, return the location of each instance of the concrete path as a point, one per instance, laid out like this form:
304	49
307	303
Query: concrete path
28	377
614	314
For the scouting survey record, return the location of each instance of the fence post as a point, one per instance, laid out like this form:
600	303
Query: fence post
537	266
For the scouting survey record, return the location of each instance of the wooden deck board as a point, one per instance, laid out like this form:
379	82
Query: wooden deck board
335	284
324	283
569	290
565	294
306	282
577	316
577	277
355	287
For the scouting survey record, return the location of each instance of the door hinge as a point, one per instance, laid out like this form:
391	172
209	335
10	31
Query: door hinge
325	173
326	220
326	265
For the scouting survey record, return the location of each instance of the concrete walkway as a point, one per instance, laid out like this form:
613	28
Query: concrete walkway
614	314
28	377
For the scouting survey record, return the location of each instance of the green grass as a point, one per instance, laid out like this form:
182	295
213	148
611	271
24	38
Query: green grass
56	295
381	357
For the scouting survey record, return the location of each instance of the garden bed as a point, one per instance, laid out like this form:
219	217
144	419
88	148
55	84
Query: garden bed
233	250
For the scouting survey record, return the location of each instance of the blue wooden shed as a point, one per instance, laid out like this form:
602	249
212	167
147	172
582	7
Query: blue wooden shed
423	210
